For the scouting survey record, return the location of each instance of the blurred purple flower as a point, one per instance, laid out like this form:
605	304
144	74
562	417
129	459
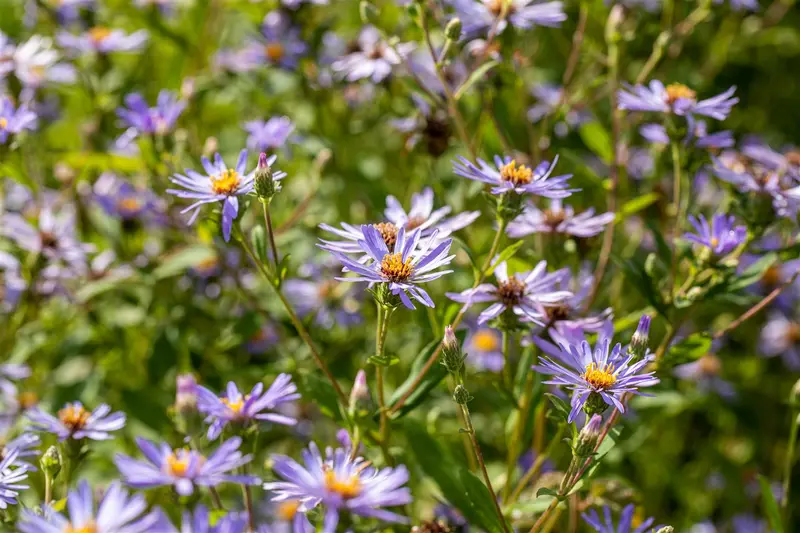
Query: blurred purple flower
721	237
781	336
483	346
478	17
121	199
36	63
705	373
558	219
12	474
158	120
374	59
606	524
321	296
14	120
675	98
268	135
103	40
76	422
282	45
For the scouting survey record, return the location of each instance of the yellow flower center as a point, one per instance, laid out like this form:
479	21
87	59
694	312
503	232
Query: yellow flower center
88	528
178	462
394	268
129	204
274	52
518	175
714	242
74	417
600	378
677	91
710	364
3	123
348	488
389	233
236	405
98	34
226	183
485	340
511	291
27	399
287	510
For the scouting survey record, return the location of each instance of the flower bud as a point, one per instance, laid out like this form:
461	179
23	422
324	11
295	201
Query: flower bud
461	395
615	18
452	356
264	185
414	11
51	462
594	405
360	399
584	443
368	12
638	346
186	395
453	29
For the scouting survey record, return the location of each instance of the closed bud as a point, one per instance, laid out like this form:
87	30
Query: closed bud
639	342
666	529
51	462
453	29
584	443
360	399
368	12
461	395
264	185
452	355
794	396
615	18
186	394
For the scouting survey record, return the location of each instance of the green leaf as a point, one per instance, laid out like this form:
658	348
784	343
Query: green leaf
475	77
481	500
321	392
95	288
637	275
182	260
637	204
559	405
597	139
258	238
770	505
689	349
544	491
505	255
754	272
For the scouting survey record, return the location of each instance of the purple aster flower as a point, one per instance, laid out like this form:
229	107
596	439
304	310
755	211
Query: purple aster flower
186	392
282	45
268	135
243	409
11	474
751	176
103	40
747	523
36	63
558	219
14	120
675	98
329	302
478	17
781	336
75	422
374	59
521	179
604	373
697	136
741	5
121	199
518	294
157	120
264	338
285	517
484	349
13	283
117	512
721	237
340	483
184	469
403	268
25	445
221	184
200	521
705	373
787	161
606	524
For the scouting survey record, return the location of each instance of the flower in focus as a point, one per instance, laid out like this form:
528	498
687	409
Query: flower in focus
606	524
558	219
521	179
781	336
11	474
75	422
519	293
523	14
721	237
403	268
14	120
268	135
340	483
282	44
184	468
374	59
237	408
675	98
117	512
103	40
221	184
157	120
321	296
599	376
200	521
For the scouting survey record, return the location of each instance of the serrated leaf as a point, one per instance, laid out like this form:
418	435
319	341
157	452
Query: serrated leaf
597	139
688	350
770	505
507	253
475	77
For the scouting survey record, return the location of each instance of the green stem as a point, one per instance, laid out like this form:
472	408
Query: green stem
381	330
676	208
787	466
271	233
248	505
536	466
537	526
508	380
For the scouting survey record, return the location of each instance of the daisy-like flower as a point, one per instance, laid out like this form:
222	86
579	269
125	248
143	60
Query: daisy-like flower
220	184
374	59
402	269
236	408
697	135
157	120
7	48
598	378
117	512
14	120
25	445
200	522
184	469
705	373
421	217
675	98
121	199
558	219
781	336
507	176
518	294
103	40
75	422
340	483
753	177
321	296
721	237
36	63
268	135
282	45
479	16
484	349
786	161
606	524
12	474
